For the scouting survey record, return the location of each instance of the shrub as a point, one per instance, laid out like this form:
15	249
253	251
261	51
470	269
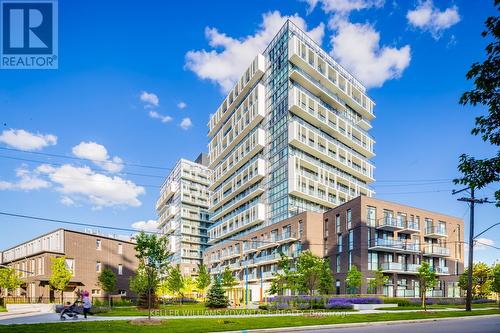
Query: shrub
399	301
263	306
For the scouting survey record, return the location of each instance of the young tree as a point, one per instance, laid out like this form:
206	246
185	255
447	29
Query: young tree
61	276
107	281
203	279
379	280
286	280
309	268
189	286
427	280
153	255
216	297
10	279
326	278
481	280
495	284
353	280
228	281
175	281
478	173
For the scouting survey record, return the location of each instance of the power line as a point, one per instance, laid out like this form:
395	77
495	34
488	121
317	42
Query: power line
84	159
74	223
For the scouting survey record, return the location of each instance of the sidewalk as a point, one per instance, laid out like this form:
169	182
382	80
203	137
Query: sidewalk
39	318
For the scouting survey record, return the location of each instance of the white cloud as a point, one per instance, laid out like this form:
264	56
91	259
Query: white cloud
482	244
343	6
98	154
182	105
225	67
357	47
67	201
150	99
21	139
186	123
28	181
150	225
162	118
429	18
99	189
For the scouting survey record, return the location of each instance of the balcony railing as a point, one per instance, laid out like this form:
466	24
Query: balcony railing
435	231
400	267
441	270
405	293
436	250
434	293
390	223
395	245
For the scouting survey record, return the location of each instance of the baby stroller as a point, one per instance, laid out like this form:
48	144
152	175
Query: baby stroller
70	311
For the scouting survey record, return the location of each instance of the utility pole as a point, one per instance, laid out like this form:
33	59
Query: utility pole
472	200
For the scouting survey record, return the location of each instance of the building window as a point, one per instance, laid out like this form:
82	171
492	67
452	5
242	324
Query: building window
337	263
120	248
339	242
325	227
337	223
349	218
98	266
98	244
351	240
70	266
372	261
120	269
122	292
96	292
371	216
301	228
349	262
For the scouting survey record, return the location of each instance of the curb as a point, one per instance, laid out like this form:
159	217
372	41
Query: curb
350	325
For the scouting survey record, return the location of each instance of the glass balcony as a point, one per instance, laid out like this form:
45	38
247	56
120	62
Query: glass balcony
390	224
391	245
436	251
435	232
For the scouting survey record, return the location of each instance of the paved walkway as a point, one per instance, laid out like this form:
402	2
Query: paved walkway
38	318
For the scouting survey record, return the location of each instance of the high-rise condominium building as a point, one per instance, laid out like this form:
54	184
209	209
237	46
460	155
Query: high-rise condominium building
291	136
183	212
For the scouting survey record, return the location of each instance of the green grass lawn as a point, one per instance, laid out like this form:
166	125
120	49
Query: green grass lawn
2	309
184	310
214	324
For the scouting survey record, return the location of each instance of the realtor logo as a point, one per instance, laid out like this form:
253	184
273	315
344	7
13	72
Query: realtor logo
28	34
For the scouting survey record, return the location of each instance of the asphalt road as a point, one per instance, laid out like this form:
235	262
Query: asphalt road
455	325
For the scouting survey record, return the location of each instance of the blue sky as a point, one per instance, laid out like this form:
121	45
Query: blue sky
130	74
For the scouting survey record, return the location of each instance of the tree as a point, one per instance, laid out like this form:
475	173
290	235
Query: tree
203	279
216	297
427	280
175	281
10	279
61	276
107	281
326	278
495	284
481	280
353	279
478	173
153	255
189	286
229	281
309	268
379	280
285	280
